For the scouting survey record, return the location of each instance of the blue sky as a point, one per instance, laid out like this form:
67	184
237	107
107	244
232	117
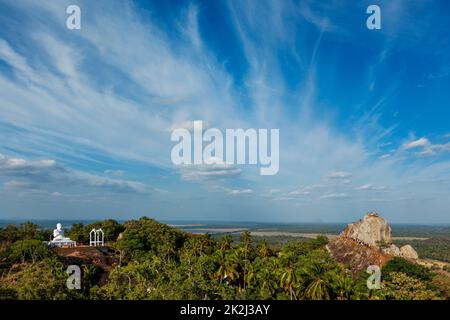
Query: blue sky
86	115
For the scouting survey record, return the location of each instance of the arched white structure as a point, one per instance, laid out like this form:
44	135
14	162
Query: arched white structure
96	237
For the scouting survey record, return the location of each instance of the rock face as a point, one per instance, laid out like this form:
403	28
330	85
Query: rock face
356	255
371	230
408	252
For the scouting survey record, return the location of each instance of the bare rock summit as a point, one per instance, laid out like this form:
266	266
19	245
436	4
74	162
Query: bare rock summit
372	230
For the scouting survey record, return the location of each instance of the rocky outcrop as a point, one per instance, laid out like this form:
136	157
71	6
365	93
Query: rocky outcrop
371	230
367	242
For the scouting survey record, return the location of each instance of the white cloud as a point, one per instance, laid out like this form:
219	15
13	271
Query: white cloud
284	198
239	191
339	175
334	196
188	125
208	171
17	164
372	187
42	173
422	142
299	193
426	148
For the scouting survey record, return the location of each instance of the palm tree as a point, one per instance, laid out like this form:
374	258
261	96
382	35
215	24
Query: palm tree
288	281
263	249
204	244
225	243
246	240
317	290
267	282
346	288
316	283
227	266
249	275
220	259
343	286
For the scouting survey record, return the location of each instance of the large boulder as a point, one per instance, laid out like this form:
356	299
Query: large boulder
408	252
372	230
393	250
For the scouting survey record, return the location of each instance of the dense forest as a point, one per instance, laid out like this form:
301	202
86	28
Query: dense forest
155	261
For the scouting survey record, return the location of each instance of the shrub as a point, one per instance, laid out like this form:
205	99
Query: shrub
29	250
404	266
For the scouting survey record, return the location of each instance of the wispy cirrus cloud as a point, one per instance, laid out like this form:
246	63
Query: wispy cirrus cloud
101	102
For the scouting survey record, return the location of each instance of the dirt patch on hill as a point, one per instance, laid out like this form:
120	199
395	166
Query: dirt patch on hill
103	257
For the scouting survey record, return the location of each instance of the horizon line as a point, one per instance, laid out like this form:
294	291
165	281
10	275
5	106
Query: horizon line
165	221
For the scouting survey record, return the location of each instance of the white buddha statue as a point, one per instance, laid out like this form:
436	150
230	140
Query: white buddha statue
59	240
58	233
